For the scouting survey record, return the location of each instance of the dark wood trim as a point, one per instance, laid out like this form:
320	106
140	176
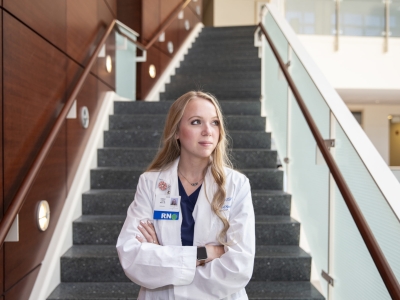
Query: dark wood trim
377	255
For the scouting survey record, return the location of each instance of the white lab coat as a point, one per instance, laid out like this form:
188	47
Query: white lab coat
169	271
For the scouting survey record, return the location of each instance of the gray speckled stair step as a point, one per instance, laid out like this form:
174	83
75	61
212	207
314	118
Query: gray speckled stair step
282	290
104	230
251	53
264	179
129	122
227	62
221	77
277	230
223	38
227	94
246	107
116	202
256	290
270	202
142	157
127	178
151	138
231	30
187	68
95	291
275	263
212	83
88	263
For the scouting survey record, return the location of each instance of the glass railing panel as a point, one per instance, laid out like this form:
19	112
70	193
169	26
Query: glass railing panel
308	175
277	36
381	219
308	182
356	276
311	96
395	18
311	16
362	17
329	229
275	93
125	65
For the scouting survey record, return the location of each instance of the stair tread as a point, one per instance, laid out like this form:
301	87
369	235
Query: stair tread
95	291
150	148
260	219
158	130
141	169
164	116
128	191
101	251
261	290
282	290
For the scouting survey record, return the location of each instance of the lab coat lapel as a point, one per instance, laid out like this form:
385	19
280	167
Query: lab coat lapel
203	215
170	231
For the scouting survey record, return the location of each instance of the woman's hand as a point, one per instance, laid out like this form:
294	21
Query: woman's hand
213	252
148	231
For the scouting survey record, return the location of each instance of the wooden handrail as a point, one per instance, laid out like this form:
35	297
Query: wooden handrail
167	22
19	199
377	255
163	27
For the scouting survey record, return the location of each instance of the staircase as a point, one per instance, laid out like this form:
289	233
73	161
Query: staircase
224	62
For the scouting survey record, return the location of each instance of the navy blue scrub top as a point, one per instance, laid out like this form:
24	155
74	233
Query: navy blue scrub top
187	207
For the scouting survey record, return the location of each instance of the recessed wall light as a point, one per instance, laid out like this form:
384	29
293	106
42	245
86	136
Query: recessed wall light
152	71
84	116
108	64
43	215
187	24
170	46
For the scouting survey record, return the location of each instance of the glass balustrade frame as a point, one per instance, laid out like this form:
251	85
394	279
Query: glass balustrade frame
329	230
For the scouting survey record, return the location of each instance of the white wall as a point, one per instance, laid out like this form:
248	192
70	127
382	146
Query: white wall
376	124
239	12
360	62
234	12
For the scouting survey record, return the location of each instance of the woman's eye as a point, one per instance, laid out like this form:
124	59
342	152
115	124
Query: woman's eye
195	122
216	123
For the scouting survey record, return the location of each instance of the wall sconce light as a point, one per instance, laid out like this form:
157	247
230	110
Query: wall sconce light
108	64
84	116
390	117
170	46
152	71
43	215
198	9
187	24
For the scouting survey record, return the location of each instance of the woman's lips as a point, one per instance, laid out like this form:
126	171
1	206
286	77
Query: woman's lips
206	143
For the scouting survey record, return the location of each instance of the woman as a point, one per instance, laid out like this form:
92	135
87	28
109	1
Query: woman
189	233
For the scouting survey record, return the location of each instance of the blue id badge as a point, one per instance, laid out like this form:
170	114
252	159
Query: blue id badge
167	208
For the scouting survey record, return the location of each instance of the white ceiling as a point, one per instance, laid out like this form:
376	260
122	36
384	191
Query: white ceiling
369	96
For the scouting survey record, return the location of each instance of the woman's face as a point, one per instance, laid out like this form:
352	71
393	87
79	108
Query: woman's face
198	130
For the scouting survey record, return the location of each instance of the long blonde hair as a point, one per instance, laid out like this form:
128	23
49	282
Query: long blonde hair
170	150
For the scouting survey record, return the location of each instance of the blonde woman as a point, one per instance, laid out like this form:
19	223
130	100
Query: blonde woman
189	233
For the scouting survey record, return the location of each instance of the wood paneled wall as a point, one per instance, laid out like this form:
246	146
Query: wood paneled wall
1	153
147	24
44	47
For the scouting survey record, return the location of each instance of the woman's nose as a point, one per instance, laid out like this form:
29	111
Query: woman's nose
206	130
